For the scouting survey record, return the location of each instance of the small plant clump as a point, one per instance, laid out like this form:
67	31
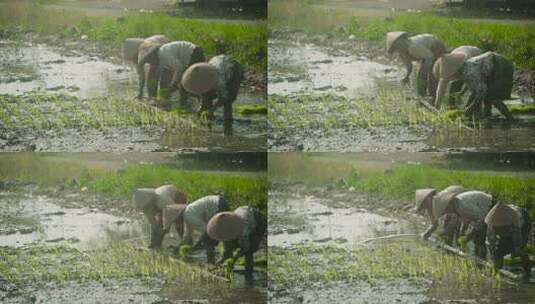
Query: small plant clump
311	264
40	264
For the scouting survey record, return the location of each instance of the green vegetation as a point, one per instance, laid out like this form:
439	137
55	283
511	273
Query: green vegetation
401	182
331	112
515	41
522	109
44	112
239	189
251	109
42	264
245	42
312	264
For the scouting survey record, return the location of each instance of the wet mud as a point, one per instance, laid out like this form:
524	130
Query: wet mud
38	68
35	220
325	225
321	86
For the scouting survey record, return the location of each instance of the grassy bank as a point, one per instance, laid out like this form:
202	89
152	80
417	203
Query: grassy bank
106	179
240	190
413	260
400	183
515	41
246	42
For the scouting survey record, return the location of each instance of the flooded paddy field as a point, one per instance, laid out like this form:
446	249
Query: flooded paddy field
50	94
347	239
66	239
342	94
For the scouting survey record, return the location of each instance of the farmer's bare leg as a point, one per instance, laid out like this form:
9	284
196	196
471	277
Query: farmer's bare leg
141	77
152	81
423	74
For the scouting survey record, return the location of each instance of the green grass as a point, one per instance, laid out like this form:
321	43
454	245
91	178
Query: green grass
401	182
245	42
44	112
251	109
41	264
311	264
241	190
515	41
522	109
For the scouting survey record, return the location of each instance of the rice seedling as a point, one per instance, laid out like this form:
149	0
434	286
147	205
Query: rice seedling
391	106
251	109
41	264
312	264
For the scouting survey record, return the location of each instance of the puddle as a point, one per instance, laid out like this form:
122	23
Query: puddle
44	221
37	67
298	220
307	68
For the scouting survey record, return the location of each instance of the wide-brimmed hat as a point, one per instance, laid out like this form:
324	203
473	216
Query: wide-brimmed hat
444	198
421	195
172	213
200	78
149	46
501	215
144	197
169	195
131	49
446	66
392	38
225	226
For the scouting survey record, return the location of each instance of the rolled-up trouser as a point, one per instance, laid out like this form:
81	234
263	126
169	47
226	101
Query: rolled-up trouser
209	243
478	234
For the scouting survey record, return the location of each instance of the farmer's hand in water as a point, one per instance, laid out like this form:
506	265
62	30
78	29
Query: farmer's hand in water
405	81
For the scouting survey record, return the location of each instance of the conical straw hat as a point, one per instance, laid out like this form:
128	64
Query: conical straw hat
450	64
200	78
171	213
149	46
392	38
144	197
501	215
444	198
421	195
168	195
225	226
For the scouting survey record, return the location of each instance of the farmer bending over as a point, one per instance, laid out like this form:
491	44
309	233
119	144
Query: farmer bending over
424	48
196	217
244	229
509	228
152	202
219	78
488	77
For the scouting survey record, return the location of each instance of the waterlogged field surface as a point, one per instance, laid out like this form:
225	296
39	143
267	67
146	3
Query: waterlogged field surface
30	69
65	244
324	255
307	68
329	94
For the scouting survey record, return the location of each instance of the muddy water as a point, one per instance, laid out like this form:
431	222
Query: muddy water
297	220
38	67
308	68
47	222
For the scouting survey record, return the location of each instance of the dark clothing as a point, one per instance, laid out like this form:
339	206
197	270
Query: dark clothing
511	240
